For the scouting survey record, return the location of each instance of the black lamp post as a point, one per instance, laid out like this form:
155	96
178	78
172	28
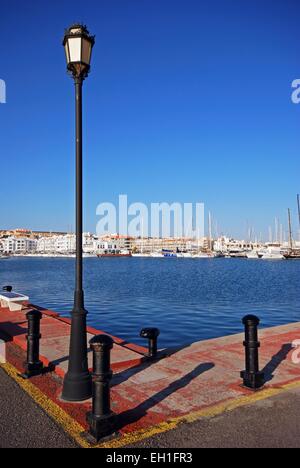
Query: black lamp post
77	386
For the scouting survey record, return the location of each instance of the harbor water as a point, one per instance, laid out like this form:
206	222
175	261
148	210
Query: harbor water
188	299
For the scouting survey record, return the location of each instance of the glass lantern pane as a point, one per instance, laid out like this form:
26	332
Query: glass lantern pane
75	49
67	52
86	51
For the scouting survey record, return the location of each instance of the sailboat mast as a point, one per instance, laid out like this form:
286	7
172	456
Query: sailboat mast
210	231
290	229
276	230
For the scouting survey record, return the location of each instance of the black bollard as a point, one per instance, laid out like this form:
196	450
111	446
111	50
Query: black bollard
33	365
7	288
252	377
151	334
101	419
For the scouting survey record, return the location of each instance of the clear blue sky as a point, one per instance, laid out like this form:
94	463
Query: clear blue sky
186	101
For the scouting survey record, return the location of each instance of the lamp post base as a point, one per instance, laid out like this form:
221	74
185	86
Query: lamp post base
253	380
77	384
77	388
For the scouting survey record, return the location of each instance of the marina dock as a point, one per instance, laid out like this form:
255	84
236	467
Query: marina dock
152	397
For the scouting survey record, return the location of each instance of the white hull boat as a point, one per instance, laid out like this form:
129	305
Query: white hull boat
184	255
253	255
157	255
203	255
141	255
272	256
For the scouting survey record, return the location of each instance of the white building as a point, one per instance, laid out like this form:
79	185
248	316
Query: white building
7	245
226	244
58	244
89	242
12	245
107	246
46	244
65	244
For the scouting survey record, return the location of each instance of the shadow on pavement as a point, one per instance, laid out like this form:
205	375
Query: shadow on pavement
135	414
277	359
147	362
9	330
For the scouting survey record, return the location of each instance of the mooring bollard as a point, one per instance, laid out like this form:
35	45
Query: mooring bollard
101	418
33	365
7	288
152	335
252	377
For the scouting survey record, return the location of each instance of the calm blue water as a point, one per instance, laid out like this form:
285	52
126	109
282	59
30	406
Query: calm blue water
188	300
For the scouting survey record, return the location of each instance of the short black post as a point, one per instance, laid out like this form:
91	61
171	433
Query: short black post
33	365
152	335
7	288
252	377
101	418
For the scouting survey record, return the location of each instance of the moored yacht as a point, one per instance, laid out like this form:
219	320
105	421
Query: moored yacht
252	254
273	251
169	253
237	253
115	253
141	255
183	254
293	254
203	255
156	255
271	254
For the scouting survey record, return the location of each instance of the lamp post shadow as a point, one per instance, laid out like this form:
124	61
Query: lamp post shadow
147	362
133	415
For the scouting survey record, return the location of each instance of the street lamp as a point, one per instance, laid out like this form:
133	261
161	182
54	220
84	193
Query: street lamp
78	44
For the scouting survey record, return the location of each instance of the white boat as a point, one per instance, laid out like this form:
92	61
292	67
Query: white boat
252	254
186	255
203	255
169	253
183	255
156	255
238	253
141	255
272	256
271	253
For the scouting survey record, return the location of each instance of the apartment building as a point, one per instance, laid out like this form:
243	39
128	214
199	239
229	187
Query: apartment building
15	245
65	243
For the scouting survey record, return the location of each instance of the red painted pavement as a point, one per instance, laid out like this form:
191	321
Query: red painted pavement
54	346
147	393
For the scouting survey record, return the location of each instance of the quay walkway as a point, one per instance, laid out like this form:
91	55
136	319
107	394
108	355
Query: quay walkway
186	399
